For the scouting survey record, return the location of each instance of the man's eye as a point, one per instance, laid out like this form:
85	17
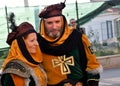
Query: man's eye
57	21
49	22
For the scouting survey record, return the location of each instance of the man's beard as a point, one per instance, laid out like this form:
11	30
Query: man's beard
54	36
50	34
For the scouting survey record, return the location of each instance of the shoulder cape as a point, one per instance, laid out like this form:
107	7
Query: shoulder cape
69	44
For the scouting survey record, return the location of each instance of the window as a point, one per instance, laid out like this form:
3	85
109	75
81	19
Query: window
106	30
109	29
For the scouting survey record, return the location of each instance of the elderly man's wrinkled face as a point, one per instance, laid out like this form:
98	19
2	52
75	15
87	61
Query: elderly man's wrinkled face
53	26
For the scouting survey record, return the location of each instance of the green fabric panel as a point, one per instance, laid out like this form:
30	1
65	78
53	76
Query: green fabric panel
7	80
86	8
76	72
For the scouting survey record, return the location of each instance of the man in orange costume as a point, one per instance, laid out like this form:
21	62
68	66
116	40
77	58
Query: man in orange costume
68	57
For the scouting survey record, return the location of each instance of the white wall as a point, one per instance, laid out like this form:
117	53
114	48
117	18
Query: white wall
95	24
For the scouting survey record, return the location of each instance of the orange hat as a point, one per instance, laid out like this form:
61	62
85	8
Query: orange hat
52	10
23	29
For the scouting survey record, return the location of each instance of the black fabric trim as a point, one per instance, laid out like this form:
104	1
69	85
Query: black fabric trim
24	51
83	61
32	81
69	44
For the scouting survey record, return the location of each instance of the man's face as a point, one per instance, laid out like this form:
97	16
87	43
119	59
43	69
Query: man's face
53	26
73	23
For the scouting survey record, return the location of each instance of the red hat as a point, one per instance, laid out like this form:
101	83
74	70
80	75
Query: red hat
23	29
52	10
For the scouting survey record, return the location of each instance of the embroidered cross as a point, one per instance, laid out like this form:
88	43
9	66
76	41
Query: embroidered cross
63	62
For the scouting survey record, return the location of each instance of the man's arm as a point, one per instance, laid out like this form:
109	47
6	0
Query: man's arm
93	66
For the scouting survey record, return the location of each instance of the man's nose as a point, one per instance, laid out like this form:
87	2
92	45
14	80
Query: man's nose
54	26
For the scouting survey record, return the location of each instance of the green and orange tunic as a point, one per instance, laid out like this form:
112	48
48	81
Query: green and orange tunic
69	57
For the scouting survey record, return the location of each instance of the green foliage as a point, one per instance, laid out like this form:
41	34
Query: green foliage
105	48
104	53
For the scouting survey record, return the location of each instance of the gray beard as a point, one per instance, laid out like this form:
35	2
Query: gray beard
54	36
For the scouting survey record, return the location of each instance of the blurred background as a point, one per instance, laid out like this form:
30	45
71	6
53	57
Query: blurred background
100	20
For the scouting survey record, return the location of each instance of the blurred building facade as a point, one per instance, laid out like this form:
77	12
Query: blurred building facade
105	26
98	0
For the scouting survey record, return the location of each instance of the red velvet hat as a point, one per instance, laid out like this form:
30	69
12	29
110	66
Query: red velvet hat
52	10
23	29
